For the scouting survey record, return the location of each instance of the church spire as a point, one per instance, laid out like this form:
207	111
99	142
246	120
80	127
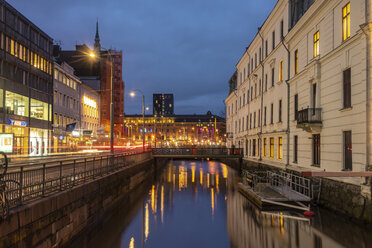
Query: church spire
97	45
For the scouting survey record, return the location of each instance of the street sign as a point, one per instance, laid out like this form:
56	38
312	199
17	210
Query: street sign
6	142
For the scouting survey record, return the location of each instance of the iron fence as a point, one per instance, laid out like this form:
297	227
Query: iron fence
198	151
30	182
290	181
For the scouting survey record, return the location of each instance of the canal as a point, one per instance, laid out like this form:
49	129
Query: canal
197	204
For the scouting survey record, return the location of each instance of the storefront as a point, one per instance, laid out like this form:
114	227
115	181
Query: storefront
39	142
20	136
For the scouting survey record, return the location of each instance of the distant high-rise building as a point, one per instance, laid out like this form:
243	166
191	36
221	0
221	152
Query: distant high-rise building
163	104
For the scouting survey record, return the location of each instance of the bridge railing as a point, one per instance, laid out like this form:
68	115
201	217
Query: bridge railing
197	151
30	182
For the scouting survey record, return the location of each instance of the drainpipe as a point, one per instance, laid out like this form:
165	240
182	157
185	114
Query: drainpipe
366	29
249	87
262	79
288	98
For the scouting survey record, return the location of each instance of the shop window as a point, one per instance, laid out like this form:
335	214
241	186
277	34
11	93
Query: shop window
39	110
16	104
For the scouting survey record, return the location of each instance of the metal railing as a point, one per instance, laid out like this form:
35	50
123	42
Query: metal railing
310	115
198	151
31	182
290	181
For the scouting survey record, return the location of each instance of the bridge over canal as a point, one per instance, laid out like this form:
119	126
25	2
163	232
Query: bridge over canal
197	153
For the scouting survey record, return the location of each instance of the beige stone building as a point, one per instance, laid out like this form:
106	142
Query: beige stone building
303	88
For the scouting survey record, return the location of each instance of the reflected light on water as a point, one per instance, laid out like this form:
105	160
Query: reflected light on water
207	180
193	174
146	221
182	178
153	199
212	200
201	176
162	204
217	181
131	244
224	170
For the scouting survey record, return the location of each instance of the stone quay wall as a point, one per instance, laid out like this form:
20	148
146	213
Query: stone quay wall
53	221
347	199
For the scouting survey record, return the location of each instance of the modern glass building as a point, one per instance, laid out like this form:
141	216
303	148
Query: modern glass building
26	84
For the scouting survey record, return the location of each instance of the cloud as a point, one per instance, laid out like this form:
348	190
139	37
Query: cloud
186	47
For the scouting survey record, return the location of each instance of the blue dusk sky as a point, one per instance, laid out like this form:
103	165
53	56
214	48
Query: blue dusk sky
185	47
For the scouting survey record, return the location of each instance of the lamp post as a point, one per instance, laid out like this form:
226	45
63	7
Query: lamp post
93	55
133	94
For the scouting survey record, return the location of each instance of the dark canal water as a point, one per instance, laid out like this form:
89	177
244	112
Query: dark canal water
197	204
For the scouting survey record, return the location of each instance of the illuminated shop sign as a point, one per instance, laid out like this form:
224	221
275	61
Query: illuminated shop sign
17	123
6	142
90	102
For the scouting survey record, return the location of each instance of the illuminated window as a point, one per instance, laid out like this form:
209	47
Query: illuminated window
296	62
39	110
281	70
316	44
271	147
346	21
264	147
11	47
16	104
1	101
55	74
280	148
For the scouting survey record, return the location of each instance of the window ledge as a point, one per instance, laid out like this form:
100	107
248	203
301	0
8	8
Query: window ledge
316	165
346	109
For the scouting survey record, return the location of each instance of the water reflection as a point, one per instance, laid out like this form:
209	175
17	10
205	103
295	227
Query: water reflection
200	206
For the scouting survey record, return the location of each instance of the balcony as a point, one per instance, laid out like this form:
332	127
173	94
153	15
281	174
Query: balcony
310	119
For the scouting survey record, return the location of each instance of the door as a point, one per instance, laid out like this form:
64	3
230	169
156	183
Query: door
348	163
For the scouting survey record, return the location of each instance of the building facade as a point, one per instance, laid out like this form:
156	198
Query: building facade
26	85
163	105
66	108
180	130
302	96
96	73
90	113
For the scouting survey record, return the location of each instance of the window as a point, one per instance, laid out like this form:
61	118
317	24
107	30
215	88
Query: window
260	55
246	123
254	148
348	163
296	107
295	142
250	121
255	60
266	48
316	44
254	120
265	116
280	110
272	114
1	100
271	147
16	104
280	148
264	147
281	70
347	88
243	99
266	82
281	30
316	150
273	35
248	96
272	76
39	110
296	62
346	21
259	118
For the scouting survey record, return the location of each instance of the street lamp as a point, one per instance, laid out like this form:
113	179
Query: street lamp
93	56
133	94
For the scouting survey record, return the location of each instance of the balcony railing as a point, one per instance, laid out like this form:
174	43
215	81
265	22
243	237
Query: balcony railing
310	116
